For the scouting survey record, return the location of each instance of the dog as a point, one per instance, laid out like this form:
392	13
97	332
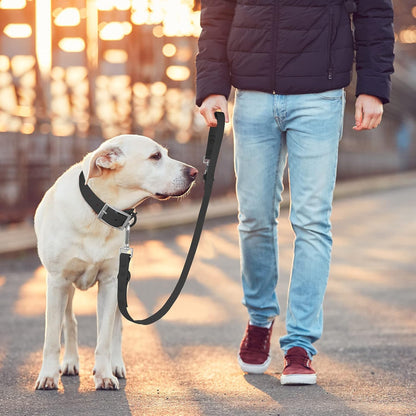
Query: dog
77	249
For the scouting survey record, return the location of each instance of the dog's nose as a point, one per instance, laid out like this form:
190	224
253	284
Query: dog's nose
192	172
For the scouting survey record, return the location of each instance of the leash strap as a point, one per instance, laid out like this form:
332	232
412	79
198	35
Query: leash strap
211	157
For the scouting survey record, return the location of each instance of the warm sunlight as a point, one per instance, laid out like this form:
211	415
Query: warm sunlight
68	17
158	89
178	73
176	16
105	37
43	37
13	4
113	4
115	30
115	56
18	30
31	300
408	35
4	63
169	50
72	44
170	18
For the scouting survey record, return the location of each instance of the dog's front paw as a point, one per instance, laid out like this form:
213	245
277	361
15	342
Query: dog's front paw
70	366
45	382
106	383
119	370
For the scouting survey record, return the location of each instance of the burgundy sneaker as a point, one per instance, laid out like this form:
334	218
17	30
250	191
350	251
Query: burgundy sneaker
298	368
254	354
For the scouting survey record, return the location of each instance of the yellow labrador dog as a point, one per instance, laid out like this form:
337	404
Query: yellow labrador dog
78	249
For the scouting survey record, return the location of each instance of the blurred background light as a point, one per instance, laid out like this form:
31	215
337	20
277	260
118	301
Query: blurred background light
114	30
158	89
115	56
122	4
105	4
92	69
12	4
178	72
43	38
72	44
18	30
158	31
68	17
4	63
408	35
169	50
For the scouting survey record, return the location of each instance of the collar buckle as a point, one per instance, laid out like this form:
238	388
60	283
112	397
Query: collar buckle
107	210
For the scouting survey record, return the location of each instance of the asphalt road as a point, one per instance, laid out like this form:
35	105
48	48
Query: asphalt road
186	364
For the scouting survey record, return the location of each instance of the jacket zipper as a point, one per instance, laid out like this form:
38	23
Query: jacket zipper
274	44
330	29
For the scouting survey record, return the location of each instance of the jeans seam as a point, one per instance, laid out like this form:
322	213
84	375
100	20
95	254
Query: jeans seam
275	232
341	128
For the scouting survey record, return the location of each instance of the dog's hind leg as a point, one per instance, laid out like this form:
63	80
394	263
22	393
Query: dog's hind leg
117	363
56	299
70	363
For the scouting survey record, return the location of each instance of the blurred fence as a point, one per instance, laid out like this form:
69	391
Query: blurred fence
73	73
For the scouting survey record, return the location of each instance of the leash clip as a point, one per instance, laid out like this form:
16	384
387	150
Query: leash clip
126	249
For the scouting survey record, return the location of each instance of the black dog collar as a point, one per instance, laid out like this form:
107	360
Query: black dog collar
110	215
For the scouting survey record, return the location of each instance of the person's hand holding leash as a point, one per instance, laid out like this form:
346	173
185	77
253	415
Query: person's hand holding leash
368	112
212	104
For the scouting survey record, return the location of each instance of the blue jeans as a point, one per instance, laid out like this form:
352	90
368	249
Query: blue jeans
305	131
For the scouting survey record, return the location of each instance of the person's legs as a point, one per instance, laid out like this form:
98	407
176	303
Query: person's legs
260	157
314	128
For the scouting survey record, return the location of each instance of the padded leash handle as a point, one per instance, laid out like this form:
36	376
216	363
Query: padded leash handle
211	156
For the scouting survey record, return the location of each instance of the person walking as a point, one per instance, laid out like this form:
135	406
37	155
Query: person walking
289	61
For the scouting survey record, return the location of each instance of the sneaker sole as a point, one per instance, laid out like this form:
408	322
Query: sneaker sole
254	368
298	379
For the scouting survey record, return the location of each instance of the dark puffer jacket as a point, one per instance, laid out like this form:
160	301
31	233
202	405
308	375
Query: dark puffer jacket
294	46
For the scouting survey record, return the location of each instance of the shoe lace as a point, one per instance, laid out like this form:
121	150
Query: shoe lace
256	338
297	358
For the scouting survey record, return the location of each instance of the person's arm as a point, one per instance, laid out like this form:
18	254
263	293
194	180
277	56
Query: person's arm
374	40
212	68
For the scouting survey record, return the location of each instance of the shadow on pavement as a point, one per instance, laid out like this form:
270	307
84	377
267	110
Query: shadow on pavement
299	400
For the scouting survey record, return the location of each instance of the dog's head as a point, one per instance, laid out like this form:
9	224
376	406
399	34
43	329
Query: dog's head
139	167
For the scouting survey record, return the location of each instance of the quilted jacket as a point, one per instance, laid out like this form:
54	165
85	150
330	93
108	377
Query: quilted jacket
294	46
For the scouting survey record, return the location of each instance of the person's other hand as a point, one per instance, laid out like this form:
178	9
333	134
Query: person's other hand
368	112
210	105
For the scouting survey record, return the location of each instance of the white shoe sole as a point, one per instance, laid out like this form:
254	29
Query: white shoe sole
298	379
254	368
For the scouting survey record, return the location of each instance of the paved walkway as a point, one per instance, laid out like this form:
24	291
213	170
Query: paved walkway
186	363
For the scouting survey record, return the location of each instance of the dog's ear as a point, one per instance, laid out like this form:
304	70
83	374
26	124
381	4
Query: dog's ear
102	159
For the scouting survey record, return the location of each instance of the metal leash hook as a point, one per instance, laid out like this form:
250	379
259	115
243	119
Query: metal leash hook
126	249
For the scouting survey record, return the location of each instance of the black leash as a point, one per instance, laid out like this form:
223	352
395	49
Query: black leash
211	157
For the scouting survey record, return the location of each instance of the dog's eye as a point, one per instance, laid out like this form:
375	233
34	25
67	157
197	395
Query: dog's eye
156	156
